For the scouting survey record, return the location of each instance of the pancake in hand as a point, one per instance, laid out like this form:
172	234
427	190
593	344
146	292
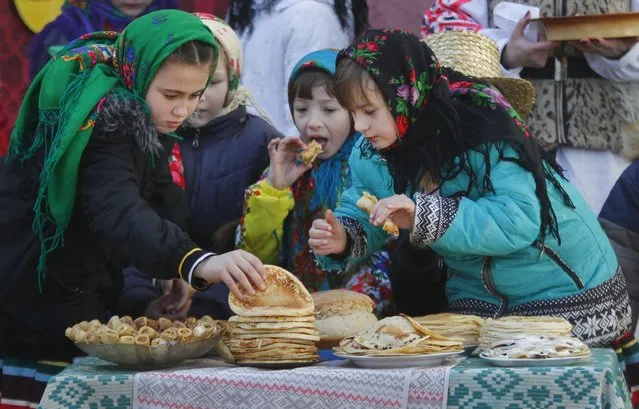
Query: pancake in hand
366	203
307	156
284	295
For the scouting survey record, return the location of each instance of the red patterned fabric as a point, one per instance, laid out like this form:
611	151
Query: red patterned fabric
447	15
176	165
14	68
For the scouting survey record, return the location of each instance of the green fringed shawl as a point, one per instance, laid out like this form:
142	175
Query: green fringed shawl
58	113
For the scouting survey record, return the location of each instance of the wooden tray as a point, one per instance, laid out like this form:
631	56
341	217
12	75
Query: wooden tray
616	25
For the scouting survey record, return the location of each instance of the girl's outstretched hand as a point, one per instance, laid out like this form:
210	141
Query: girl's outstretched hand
399	208
327	236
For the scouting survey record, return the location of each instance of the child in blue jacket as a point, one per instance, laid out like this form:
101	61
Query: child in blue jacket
452	162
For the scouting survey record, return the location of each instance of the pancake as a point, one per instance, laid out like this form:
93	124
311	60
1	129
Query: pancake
284	295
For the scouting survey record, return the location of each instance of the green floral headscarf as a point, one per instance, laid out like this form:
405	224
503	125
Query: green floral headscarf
59	110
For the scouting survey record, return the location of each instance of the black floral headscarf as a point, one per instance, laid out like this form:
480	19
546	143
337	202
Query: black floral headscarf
406	82
442	115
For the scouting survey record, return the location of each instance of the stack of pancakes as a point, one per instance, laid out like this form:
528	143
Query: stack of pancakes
538	347
398	335
273	326
508	328
465	327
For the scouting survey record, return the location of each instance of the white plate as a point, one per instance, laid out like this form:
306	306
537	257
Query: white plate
402	361
515	362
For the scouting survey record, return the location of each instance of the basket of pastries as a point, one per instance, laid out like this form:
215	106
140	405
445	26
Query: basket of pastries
143	342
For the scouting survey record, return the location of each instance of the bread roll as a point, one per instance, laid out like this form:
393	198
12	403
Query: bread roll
184	335
109	336
170	334
127	340
127	320
340	314
164	323
141	322
148	331
190	322
143	340
113	322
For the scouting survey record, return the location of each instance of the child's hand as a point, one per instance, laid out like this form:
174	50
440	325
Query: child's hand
157	309
176	295
327	236
233	268
283	169
399	208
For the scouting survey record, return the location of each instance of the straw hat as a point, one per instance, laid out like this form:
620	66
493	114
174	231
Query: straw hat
477	56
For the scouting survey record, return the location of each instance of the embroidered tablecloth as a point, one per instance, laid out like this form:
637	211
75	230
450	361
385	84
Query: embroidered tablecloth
472	384
598	384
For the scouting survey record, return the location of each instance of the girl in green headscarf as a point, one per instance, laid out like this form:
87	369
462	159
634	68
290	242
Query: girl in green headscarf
87	190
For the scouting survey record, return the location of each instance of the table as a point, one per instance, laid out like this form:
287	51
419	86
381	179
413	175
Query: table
472	383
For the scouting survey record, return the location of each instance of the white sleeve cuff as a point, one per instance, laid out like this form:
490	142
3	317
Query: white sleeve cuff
197	262
624	69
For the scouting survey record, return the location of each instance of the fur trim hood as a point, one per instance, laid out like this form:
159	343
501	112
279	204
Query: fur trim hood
124	113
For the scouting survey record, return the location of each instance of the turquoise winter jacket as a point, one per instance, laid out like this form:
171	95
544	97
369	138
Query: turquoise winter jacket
489	240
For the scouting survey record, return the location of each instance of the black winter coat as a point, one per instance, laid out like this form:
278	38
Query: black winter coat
127	212
221	160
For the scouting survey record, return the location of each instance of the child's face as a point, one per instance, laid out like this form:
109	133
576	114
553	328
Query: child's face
174	94
214	97
323	120
131	8
373	118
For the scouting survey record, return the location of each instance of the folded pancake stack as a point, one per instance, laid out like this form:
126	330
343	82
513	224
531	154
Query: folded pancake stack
340	314
399	335
511	327
537	347
465	327
273	326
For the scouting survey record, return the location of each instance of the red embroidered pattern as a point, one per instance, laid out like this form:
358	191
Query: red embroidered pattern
447	15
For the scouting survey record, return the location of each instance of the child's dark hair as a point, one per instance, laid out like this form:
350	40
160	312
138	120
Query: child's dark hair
194	53
243	11
303	85
350	83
